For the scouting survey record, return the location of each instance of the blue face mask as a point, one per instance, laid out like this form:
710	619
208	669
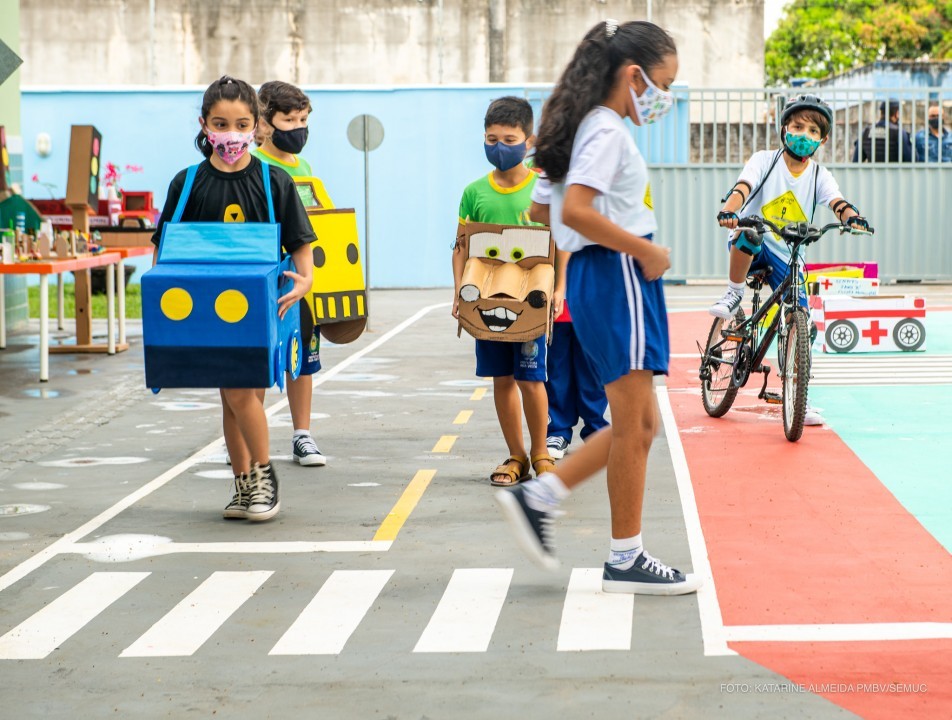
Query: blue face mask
505	157
801	145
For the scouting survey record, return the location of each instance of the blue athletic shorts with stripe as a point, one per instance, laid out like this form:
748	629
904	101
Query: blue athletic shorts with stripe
523	360
620	318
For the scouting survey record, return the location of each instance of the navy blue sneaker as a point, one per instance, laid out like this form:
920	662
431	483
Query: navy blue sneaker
532	528
648	576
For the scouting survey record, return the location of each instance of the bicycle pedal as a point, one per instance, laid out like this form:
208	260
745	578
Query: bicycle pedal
773	398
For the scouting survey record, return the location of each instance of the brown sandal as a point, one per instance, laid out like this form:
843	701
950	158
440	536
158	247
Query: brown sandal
547	463
511	472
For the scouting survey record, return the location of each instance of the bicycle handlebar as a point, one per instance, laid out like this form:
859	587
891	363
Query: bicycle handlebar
802	232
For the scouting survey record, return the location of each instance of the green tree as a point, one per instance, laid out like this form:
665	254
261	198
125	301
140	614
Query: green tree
817	38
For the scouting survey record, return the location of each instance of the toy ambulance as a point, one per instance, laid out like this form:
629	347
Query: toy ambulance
884	323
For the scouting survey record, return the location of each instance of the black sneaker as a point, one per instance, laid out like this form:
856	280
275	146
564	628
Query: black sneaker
532	528
648	576
306	452
237	509
263	501
556	445
727	306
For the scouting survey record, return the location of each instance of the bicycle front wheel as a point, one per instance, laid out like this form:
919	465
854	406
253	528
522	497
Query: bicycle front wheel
796	374
718	390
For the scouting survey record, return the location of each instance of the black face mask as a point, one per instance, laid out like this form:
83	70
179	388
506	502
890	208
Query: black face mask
290	141
934	123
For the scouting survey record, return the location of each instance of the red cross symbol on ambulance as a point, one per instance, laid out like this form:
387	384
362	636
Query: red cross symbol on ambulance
875	332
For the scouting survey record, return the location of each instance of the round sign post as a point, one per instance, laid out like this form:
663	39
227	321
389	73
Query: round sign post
365	133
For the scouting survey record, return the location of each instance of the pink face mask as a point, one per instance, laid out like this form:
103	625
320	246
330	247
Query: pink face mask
230	146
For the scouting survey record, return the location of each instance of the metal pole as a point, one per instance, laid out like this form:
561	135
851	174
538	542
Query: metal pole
367	214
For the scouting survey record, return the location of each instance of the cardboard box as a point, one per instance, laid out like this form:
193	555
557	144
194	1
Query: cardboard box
885	323
508	280
116	237
853	286
82	182
868	269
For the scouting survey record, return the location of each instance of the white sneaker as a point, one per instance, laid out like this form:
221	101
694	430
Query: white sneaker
727	306
557	446
812	417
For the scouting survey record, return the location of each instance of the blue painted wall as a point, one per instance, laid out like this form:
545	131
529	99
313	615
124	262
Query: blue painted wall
432	149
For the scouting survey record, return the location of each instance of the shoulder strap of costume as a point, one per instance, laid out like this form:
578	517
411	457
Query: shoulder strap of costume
816	182
186	191
267	190
763	180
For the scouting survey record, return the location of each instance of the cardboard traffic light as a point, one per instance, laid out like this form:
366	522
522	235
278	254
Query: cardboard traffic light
82	184
6	179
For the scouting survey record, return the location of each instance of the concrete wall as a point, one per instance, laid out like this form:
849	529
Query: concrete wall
92	42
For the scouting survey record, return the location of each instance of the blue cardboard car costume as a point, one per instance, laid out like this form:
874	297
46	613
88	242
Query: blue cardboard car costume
210	305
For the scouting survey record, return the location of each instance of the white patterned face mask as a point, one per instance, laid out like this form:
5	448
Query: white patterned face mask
653	104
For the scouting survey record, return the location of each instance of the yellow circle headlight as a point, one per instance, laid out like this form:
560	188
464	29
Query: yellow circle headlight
231	306
176	304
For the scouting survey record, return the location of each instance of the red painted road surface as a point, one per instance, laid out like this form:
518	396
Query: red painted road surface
804	533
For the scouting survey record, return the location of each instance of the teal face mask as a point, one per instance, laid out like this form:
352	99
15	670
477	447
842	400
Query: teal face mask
801	145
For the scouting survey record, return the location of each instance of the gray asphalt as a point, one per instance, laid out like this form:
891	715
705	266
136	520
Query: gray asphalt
84	443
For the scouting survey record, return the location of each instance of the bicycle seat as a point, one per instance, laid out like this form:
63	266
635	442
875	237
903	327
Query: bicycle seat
759	277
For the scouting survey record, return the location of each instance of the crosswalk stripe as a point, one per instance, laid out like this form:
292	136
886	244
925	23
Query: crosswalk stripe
186	627
592	619
328	621
47	629
466	615
907	369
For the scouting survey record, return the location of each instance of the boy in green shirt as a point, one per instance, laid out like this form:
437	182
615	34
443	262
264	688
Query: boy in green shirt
282	125
504	197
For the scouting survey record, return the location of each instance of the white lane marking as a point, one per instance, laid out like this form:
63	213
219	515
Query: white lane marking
186	627
328	621
840	632
263	548
467	613
47	629
592	619
712	622
50	551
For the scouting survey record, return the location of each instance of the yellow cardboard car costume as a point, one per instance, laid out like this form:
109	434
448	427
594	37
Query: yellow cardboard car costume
507	284
338	297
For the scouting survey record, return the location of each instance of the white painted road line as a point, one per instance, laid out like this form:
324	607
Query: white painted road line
47	629
840	632
258	548
328	621
712	622
185	628
592	619
467	614
40	558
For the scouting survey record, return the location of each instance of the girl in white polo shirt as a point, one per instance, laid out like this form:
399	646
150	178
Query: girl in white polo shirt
600	211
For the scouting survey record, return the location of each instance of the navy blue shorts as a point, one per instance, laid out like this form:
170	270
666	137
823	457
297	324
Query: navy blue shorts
620	318
778	269
524	361
312	355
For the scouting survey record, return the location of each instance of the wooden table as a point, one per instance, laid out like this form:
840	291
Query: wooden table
45	268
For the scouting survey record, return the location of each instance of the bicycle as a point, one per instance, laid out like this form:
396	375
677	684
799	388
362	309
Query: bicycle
736	348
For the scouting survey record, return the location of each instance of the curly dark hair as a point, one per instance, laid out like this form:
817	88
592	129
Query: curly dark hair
587	82
225	88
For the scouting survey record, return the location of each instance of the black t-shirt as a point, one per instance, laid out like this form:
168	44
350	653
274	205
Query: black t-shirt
218	196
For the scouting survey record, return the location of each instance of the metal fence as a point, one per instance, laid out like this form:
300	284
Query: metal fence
696	153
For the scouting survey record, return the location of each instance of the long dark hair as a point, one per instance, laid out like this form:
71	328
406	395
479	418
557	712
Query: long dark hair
587	82
225	88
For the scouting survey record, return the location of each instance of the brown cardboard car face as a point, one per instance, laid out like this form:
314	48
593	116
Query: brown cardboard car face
507	284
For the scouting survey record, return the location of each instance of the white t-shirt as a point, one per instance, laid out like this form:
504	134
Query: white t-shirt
785	198
604	158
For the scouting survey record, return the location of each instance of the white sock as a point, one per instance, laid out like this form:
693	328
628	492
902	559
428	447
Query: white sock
299	433
624	551
545	492
736	287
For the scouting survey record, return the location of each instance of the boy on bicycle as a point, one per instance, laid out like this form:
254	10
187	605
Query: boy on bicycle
781	192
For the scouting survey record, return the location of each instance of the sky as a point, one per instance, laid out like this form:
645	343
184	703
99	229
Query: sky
773	9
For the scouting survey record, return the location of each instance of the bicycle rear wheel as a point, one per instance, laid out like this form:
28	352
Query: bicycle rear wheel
796	374
718	391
